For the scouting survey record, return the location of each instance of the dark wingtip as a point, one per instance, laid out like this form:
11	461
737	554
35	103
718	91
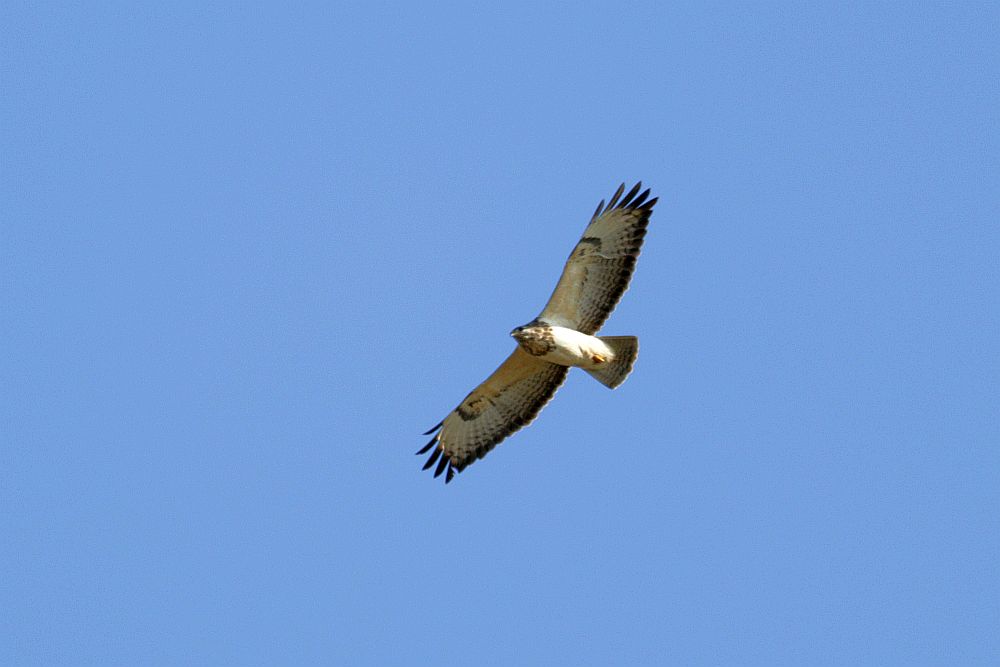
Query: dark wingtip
641	198
434	428
614	199
426	448
442	464
598	211
631	193
433	459
451	473
648	206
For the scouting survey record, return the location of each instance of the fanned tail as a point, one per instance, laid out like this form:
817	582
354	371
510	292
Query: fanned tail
626	349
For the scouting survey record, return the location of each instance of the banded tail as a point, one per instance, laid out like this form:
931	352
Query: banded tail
626	349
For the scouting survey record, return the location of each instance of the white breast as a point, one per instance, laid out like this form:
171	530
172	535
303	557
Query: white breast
577	349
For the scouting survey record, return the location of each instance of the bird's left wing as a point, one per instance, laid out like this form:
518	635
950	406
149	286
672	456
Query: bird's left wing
509	399
598	270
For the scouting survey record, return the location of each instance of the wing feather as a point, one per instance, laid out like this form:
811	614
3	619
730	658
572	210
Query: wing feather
508	400
600	267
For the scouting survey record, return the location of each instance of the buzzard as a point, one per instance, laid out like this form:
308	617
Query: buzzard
596	275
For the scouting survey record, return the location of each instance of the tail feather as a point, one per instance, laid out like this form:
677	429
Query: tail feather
612	374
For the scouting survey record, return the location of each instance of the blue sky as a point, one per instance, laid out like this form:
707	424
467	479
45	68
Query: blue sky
248	253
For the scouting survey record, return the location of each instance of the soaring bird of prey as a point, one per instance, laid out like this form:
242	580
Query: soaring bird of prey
596	275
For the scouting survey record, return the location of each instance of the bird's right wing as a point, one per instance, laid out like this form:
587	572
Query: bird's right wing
509	399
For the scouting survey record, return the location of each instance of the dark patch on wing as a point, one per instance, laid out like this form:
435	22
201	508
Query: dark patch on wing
516	406
588	245
470	409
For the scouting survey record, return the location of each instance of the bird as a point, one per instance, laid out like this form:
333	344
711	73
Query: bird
593	280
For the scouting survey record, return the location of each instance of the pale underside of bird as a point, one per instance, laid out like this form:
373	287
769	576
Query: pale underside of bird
596	275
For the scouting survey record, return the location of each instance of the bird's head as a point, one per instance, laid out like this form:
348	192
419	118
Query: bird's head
533	337
523	333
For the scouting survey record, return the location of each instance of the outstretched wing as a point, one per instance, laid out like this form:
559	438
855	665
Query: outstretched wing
510	398
598	270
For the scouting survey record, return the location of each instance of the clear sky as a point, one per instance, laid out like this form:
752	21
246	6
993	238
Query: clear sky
248	253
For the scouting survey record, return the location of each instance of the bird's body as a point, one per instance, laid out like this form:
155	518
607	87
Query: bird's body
559	345
566	347
596	274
